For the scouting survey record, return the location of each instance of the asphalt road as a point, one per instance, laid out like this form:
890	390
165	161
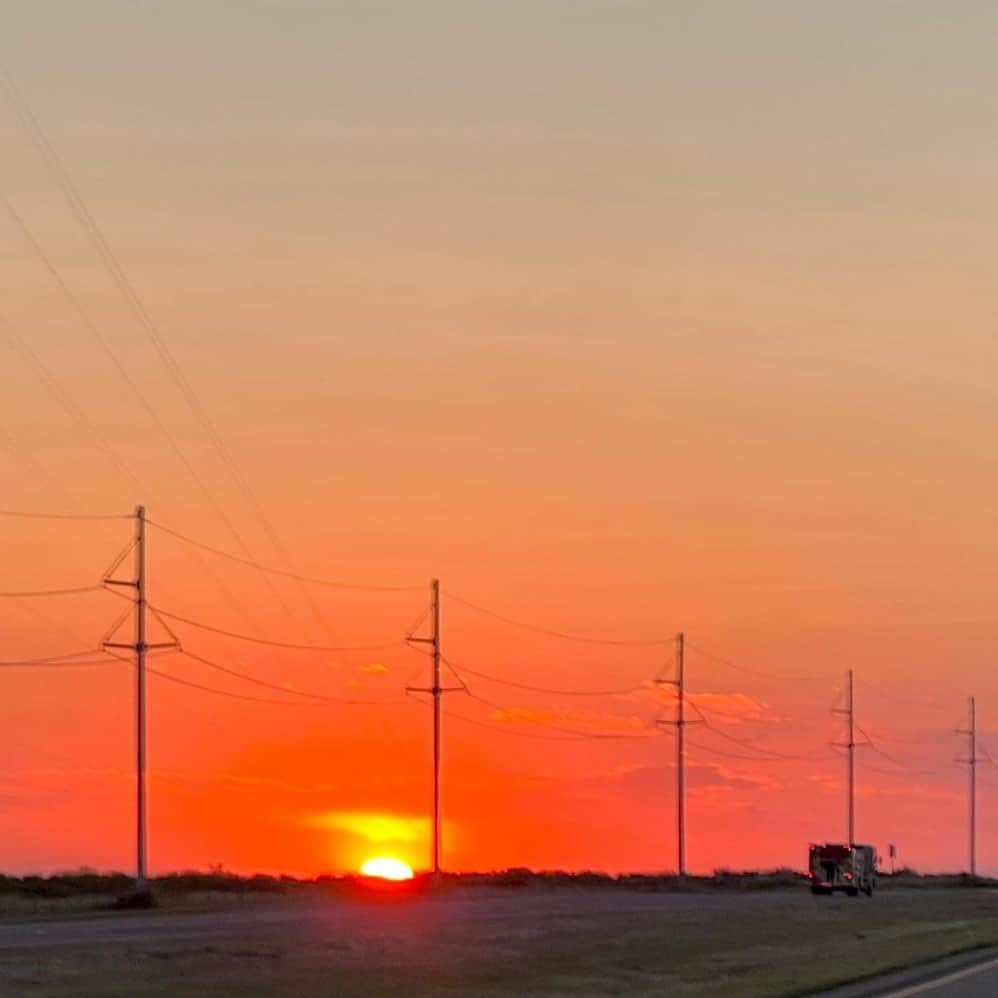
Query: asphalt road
972	975
488	915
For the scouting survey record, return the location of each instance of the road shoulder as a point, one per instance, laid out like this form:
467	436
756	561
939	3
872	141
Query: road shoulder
923	973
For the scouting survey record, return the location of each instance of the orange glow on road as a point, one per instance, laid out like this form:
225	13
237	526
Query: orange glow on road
386	868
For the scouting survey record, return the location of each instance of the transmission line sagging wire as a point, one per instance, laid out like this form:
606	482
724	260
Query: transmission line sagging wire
43	660
514	714
160	613
759	674
75	591
764	753
558	634
744	758
896	697
230	695
270	570
68	663
547	690
518	733
62	516
48	381
504	729
129	381
30	463
136	392
871	744
222	693
272	686
148	327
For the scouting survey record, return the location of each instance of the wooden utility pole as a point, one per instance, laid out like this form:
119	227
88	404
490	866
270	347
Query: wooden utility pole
140	647
680	725
971	762
437	691
849	713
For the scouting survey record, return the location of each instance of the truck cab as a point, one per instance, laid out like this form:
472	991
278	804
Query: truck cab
835	866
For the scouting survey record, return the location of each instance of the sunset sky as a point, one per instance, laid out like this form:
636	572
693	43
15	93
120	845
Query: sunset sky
621	317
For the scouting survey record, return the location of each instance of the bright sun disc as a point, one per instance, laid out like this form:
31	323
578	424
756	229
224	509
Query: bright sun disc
387	869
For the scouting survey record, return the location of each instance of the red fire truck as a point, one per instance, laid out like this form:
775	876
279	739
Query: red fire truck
834	866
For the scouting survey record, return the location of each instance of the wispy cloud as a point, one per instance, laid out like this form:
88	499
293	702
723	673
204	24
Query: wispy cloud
723	707
580	721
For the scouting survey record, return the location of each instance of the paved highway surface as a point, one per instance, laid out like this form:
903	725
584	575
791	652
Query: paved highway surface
490	913
968	976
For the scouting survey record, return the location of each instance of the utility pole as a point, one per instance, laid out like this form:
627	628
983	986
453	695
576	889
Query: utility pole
849	713
852	764
140	647
680	725
437	691
435	610
971	763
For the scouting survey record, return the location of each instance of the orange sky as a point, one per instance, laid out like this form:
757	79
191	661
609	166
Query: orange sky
622	318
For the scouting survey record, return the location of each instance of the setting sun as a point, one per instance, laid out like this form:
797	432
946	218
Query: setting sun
387	869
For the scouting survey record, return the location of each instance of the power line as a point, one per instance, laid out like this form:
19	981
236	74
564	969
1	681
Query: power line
272	686
51	384
222	693
28	460
543	689
76	591
717	711
74	663
62	516
759	674
908	701
112	265
728	755
515	732
270	570
69	405
505	729
511	712
752	746
266	641
557	634
871	744
132	386
84	653
233	696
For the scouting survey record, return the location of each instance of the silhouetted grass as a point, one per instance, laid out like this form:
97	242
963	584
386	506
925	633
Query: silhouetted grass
89	883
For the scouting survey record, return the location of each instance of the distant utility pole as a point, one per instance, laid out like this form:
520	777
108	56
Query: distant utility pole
140	647
437	690
971	762
849	713
680	725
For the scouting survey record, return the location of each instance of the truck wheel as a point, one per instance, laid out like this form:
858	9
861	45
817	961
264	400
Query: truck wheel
852	892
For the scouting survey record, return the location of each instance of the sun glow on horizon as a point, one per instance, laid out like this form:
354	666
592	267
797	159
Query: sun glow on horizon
387	868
